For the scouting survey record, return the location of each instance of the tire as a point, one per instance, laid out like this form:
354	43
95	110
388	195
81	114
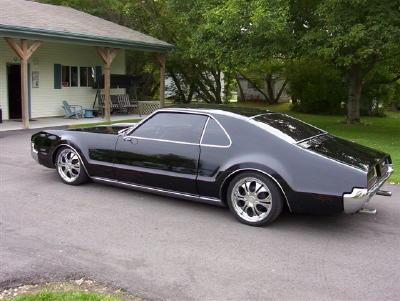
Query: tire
70	167
254	199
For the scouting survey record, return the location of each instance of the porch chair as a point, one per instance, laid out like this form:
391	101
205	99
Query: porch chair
72	111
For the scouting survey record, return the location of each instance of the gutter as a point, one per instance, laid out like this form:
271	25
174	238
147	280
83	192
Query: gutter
40	34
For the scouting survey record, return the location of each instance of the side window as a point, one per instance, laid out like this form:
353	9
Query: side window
176	127
215	135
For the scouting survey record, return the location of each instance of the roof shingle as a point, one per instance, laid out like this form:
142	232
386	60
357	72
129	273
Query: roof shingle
20	17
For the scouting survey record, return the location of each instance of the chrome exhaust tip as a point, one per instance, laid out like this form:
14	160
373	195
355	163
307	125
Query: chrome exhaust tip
384	193
367	211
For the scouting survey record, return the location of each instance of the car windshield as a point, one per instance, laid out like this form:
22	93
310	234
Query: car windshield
295	129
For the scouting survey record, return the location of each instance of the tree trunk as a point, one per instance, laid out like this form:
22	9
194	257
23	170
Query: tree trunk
218	87
354	96
241	93
270	88
181	94
227	86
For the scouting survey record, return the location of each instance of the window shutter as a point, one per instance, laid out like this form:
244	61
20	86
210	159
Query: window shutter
57	76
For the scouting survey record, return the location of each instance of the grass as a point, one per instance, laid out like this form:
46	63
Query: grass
65	296
91	125
376	132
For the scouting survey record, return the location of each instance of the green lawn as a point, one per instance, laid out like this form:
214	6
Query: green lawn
375	132
91	125
65	296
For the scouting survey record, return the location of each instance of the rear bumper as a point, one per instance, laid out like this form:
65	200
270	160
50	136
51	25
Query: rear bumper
356	200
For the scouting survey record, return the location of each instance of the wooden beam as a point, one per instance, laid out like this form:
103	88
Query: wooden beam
160	59
14	46
24	52
33	48
107	55
24	84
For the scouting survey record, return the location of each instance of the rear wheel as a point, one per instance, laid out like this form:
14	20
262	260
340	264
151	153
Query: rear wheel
254	199
69	167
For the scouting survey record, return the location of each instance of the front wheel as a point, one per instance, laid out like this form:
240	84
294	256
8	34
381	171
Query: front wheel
69	167
254	199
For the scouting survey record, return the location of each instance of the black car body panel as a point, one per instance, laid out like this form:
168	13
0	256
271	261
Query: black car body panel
312	168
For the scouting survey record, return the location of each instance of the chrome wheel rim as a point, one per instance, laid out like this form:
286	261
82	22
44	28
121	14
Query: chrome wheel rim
68	165
251	199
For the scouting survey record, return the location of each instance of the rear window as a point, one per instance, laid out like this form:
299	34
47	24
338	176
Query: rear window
294	128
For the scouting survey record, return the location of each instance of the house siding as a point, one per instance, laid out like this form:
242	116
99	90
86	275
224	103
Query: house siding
46	101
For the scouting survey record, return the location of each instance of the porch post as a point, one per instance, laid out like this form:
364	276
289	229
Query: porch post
107	55
160	58
24	53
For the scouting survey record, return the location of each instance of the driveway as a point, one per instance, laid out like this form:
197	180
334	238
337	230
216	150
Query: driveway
164	248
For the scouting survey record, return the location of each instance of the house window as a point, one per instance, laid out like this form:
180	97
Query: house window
86	76
91	76
65	76
74	76
83	76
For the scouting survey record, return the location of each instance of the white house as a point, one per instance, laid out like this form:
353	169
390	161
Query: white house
251	93
63	51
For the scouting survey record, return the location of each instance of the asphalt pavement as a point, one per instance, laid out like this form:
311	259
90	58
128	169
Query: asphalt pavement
169	249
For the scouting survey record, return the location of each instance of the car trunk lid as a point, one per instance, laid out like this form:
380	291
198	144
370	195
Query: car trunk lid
367	159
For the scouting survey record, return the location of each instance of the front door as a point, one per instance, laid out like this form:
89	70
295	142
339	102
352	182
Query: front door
163	152
14	91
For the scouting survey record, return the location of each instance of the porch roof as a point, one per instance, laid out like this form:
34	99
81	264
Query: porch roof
33	20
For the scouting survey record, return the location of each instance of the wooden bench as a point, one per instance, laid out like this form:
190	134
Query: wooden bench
128	105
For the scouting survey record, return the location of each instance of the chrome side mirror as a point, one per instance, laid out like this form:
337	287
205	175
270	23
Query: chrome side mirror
123	132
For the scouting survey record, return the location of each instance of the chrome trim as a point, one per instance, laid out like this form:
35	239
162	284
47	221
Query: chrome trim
358	197
34	152
204	130
260	171
180	142
367	211
160	140
312	137
197	198
226	133
33	148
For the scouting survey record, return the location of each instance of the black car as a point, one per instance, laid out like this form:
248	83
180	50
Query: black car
256	162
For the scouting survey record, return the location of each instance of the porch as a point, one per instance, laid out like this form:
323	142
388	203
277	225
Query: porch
49	55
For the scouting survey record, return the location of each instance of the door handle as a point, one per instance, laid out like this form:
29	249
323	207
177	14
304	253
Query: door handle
131	139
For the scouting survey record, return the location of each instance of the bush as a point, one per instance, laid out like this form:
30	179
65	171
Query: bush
316	88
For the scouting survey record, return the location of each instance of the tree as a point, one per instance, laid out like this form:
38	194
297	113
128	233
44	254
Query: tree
357	36
248	38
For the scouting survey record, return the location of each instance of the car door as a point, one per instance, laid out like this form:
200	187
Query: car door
162	152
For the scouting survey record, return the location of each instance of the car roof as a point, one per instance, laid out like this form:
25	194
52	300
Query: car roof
226	111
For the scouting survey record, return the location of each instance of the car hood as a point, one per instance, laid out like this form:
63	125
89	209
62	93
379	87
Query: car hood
345	151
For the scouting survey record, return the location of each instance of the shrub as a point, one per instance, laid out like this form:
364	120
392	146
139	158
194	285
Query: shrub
316	88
